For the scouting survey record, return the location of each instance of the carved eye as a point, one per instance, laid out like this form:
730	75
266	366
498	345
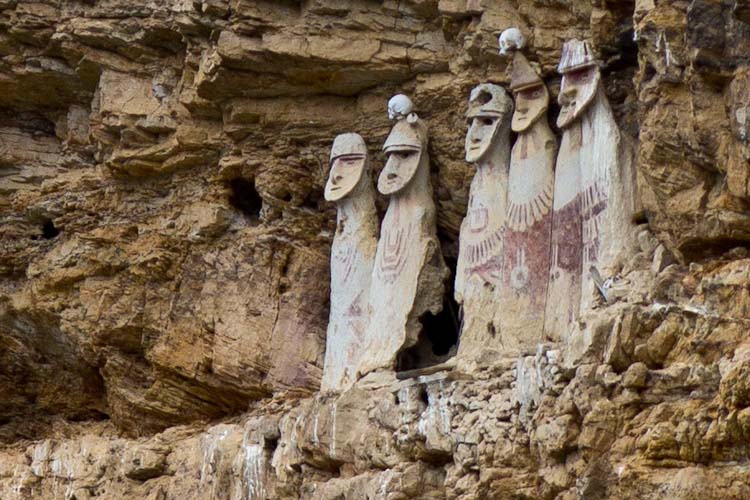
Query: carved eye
485	121
530	94
579	75
401	155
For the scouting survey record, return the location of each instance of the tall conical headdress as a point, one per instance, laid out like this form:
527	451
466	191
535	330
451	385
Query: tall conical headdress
523	75
576	54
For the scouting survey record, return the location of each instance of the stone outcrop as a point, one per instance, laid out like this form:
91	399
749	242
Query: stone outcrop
165	255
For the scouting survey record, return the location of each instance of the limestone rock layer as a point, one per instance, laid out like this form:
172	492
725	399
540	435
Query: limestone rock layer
165	255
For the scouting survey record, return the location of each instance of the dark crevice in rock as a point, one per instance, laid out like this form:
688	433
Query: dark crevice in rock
701	249
271	443
41	360
641	217
49	231
244	197
423	396
439	336
314	199
34	123
627	54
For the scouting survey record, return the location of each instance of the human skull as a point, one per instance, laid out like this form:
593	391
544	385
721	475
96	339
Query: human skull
399	107
510	40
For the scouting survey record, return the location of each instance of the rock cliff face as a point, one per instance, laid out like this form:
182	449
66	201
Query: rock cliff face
164	255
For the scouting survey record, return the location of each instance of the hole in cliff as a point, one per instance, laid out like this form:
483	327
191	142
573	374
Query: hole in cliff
88	415
313	200
649	72
491	329
701	249
49	231
271	443
439	336
30	122
244	197
640	217
623	53
423	396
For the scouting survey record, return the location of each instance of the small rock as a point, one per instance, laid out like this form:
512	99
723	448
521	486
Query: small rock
636	375
662	259
141	463
647	242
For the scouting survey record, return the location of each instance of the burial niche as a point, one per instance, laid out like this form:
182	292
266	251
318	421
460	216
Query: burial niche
438	340
480	256
408	279
352	256
244	197
49	230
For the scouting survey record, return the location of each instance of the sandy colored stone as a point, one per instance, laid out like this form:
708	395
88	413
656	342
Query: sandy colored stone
164	263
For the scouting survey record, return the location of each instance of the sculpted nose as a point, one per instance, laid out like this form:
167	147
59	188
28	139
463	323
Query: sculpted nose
337	178
391	164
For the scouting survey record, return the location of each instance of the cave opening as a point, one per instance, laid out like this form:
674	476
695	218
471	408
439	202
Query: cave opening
701	249
640	217
438	339
244	197
49	231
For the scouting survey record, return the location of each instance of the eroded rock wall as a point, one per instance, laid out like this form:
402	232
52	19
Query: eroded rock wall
164	249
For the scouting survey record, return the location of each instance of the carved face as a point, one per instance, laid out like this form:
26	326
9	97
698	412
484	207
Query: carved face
346	171
531	104
401	165
482	131
577	90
